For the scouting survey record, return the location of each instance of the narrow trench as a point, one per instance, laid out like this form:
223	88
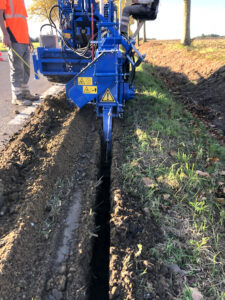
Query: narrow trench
99	285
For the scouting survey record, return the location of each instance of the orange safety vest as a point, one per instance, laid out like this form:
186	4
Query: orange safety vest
15	15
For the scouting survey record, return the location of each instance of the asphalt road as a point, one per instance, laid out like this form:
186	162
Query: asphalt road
10	122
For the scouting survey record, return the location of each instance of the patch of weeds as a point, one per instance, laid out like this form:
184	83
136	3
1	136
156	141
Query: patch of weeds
175	253
54	205
212	49
187	294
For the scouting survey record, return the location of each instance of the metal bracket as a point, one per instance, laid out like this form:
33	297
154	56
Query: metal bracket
107	127
140	24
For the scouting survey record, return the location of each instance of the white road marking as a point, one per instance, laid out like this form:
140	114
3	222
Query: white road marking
25	114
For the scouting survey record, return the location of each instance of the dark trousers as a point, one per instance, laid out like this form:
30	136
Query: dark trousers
137	11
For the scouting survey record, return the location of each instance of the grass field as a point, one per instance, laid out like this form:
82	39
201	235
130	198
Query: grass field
177	170
213	49
3	48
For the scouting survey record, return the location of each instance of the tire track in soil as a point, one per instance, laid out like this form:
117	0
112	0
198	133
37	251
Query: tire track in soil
57	145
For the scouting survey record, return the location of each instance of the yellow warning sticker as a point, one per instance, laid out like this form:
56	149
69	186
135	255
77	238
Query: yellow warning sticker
90	89
108	97
67	35
85	81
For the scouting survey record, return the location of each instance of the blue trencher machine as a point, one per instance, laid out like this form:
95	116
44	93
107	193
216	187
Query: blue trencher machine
89	59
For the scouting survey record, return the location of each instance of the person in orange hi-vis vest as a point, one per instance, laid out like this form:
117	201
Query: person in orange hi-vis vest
13	23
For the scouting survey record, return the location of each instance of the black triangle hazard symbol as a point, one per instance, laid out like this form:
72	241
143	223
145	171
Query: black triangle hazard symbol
108	97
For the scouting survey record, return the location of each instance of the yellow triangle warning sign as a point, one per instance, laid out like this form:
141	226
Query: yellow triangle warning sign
108	97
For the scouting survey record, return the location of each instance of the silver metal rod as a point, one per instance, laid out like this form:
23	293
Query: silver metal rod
102	7
120	13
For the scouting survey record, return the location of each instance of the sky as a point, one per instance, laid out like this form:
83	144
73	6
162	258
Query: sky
207	17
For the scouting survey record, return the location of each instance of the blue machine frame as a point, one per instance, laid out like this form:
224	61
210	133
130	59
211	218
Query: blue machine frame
90	56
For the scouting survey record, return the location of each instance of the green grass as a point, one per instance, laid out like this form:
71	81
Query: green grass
184	192
36	45
212	49
3	48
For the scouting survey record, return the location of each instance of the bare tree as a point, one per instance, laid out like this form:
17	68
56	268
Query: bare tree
186	39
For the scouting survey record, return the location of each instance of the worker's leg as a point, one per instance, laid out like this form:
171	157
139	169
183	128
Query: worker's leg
17	73
135	10
26	73
125	19
16	70
26	76
145	12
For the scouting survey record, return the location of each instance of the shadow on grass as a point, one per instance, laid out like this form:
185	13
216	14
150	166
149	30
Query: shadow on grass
204	97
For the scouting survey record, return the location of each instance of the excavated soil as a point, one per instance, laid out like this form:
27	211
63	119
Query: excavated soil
197	81
48	176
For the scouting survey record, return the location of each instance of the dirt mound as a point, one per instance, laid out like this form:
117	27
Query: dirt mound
48	171
27	148
195	80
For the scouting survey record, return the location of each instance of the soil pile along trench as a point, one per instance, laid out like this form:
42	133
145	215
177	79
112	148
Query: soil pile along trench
48	179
